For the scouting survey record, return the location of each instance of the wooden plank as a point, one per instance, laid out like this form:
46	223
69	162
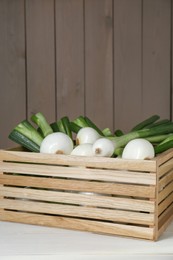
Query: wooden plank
78	211
127	63
12	68
79	224
80	173
165	180
165	168
82	186
99	62
69	58
165	192
165	156
156	57
97	162
165	204
165	217
40	58
85	199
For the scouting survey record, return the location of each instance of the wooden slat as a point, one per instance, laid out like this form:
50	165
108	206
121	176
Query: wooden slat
165	192
99	62
165	204
165	217
12	68
78	211
127	63
98	162
83	186
156	57
165	156
165	168
165	180
80	173
40	58
69	58
91	199
79	224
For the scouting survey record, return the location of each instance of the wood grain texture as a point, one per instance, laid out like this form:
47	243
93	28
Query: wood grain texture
79	198
69	160
61	187
108	59
12	68
127	63
40	58
79	224
156	58
69	58
98	62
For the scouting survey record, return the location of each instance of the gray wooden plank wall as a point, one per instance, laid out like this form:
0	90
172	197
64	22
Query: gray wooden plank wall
108	59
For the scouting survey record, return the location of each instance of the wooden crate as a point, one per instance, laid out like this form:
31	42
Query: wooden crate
131	198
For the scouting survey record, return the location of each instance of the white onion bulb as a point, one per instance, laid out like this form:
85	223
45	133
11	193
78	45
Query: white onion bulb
83	150
58	143
138	148
87	135
103	147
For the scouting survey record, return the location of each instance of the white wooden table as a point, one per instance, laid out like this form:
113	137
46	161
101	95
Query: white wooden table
19	241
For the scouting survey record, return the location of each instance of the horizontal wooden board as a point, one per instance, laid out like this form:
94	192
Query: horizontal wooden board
78	211
79	224
76	185
98	162
80	173
81	198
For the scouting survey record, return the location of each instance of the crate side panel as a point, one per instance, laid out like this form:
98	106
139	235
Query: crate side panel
165	190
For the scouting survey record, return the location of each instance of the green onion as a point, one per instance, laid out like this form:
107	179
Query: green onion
21	139
74	127
158	138
80	121
29	131
146	122
66	125
91	124
42	123
54	127
160	148
123	140
160	122
107	132
118	132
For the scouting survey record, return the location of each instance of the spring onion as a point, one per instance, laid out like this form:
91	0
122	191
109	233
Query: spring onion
138	149
58	143
159	130
83	150
103	147
42	123
146	122
87	135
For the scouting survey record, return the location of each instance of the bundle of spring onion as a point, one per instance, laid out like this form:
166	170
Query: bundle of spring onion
82	137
